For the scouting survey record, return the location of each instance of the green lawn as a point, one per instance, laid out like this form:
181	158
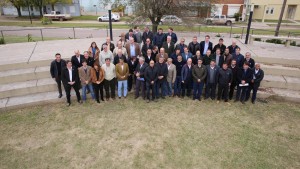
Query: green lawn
171	133
19	39
86	17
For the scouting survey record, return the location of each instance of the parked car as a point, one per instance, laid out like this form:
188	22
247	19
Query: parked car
114	18
56	15
220	19
170	19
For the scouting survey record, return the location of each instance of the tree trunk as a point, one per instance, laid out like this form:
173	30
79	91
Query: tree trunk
19	11
41	11
154	27
52	6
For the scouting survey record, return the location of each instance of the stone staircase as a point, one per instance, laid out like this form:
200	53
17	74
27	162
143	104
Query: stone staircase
30	84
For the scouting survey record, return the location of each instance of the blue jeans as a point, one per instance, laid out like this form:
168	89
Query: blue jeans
169	89
163	86
177	86
124	84
197	87
84	88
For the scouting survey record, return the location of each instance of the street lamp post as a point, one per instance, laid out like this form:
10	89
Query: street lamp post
249	24
110	22
96	8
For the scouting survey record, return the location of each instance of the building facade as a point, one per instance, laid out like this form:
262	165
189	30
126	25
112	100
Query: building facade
270	9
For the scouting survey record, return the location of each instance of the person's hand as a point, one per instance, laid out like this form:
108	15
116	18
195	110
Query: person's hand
229	84
243	82
87	82
252	81
152	82
182	81
98	82
199	80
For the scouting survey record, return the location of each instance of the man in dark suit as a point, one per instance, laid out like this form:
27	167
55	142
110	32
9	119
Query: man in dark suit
119	56
258	76
187	78
181	45
140	81
249	60
211	80
159	38
234	69
169	46
129	35
232	47
149	56
89	60
162	73
77	59
147	34
70	80
205	45
110	45
132	64
244	78
221	46
146	46
151	76
194	46
56	68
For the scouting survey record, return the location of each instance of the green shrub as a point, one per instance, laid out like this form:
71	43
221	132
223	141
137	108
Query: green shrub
46	21
218	35
276	41
237	16
293	43
2	41
257	39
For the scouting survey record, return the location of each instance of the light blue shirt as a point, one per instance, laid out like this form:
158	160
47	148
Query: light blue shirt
205	48
132	50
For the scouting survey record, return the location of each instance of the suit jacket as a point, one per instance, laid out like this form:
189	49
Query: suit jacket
75	62
251	62
66	78
147	35
171	73
147	59
186	73
193	49
132	66
137	49
185	57
53	68
94	75
232	49
234	73
120	72
259	76
207	59
227	60
111	46
127	37
202	45
248	76
181	47
145	48
173	37
162	70
169	50
159	55
116	59
222	48
141	69
85	76
209	71
151	74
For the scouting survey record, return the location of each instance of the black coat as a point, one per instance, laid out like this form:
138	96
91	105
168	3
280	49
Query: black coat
132	66
54	70
90	61
162	70
127	37
145	48
216	71
202	45
221	47
247	77
232	49
225	76
111	47
234	73
169	50
193	48
251	62
142	69
66	78
147	60
151	74
147	35
75	62
259	76
116	59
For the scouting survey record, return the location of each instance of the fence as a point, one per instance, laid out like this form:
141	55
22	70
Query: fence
42	34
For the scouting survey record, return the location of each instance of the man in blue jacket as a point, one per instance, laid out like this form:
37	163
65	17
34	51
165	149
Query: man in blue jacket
159	38
172	34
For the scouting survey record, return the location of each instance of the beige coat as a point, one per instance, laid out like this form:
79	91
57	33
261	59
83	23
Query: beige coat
171	73
85	76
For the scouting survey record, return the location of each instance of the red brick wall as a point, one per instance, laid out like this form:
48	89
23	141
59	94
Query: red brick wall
229	1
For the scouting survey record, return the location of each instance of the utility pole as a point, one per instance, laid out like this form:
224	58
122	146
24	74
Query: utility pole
280	17
249	23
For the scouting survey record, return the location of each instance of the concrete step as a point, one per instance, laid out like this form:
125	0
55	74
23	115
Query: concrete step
279	94
278	61
27	87
279	70
281	82
20	75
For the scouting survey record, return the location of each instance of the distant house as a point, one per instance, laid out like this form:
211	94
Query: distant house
73	9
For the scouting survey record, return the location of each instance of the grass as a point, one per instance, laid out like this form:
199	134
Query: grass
133	134
273	21
85	18
19	39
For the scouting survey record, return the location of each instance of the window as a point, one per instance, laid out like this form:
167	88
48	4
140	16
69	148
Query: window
272	11
267	11
222	16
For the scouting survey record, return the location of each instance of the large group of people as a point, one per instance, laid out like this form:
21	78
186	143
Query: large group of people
156	66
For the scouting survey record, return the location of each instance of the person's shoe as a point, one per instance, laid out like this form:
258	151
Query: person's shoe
102	99
148	101
98	101
80	101
243	102
68	104
226	100
107	99
119	97
235	100
60	95
163	97
253	102
88	92
155	100
218	102
136	97
199	99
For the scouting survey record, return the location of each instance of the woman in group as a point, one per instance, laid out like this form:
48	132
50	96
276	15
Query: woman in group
94	52
97	74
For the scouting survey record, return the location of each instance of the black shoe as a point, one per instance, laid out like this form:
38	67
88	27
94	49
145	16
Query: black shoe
226	100
60	95
98	101
253	102
163	97
235	100
102	99
243	102
119	97
199	99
